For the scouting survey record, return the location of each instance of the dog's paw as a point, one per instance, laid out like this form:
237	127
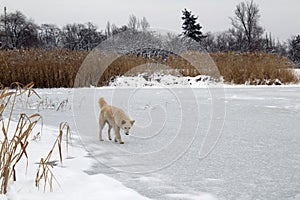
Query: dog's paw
109	138
101	139
116	140
121	142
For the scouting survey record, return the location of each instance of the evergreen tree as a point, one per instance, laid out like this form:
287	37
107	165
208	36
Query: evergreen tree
294	52
191	28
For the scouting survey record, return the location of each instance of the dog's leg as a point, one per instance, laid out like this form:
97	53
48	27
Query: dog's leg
101	125
109	128
117	135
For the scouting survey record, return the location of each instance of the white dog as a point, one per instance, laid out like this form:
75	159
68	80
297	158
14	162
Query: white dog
115	118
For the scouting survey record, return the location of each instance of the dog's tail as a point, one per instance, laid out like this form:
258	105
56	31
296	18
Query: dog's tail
102	102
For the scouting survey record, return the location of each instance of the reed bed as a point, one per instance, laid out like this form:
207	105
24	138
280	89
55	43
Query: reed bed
59	68
255	68
46	68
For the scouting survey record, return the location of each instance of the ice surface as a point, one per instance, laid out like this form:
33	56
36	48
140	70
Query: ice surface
256	157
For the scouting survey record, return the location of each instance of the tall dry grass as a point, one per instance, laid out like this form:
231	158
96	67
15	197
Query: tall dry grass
14	140
58	68
46	68
254	68
236	68
133	65
44	172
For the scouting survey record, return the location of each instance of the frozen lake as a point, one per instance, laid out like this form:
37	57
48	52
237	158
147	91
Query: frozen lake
242	143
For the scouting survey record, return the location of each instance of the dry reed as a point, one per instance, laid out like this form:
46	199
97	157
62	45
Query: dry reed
254	68
46	68
44	172
58	68
13	143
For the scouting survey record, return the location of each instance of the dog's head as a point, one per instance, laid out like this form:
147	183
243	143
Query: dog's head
126	125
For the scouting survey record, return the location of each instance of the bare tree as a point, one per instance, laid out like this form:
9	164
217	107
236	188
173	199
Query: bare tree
294	49
19	31
246	22
144	24
81	36
108	31
116	30
70	38
49	36
133	23
91	37
222	42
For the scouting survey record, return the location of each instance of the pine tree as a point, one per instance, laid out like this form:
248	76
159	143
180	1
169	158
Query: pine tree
191	28
294	52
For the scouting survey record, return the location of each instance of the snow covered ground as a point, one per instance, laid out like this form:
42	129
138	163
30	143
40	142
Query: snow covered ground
202	142
297	71
159	80
73	182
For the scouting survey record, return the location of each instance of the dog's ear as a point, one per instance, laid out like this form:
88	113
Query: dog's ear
123	122
132	122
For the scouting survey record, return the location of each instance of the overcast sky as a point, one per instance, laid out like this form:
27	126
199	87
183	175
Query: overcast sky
280	17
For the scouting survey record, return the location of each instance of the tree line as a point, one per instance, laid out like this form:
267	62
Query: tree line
17	31
245	34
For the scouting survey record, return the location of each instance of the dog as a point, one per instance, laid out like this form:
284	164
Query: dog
116	118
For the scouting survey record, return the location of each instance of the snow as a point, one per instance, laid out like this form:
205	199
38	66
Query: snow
297	72
193	139
73	182
3	197
193	197
160	80
201	81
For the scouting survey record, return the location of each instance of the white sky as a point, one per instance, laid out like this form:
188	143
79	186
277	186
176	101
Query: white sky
280	17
